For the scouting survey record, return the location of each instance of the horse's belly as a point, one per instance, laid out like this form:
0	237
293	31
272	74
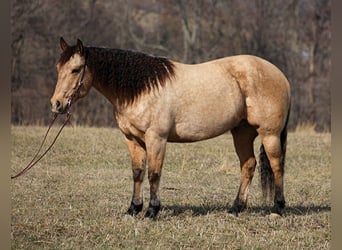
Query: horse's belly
189	132
206	102
200	122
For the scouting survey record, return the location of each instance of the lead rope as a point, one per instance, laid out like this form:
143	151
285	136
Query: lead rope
36	159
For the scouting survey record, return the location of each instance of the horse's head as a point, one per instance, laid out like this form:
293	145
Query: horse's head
74	80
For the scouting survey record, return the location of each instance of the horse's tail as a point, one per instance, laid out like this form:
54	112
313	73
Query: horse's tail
266	173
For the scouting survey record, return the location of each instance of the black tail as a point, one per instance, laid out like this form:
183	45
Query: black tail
266	173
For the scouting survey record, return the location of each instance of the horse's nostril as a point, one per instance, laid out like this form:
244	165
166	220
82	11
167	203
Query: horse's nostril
58	104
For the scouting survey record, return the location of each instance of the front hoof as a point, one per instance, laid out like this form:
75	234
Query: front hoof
152	212
133	210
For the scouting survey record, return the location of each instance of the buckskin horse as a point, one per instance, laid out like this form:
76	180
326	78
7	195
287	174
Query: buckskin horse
157	100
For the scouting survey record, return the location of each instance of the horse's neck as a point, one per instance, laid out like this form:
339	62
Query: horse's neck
107	91
119	105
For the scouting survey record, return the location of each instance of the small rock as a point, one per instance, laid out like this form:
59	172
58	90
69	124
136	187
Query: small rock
274	216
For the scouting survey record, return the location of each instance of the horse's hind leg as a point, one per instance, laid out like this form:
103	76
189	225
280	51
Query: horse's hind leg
276	154
138	156
244	136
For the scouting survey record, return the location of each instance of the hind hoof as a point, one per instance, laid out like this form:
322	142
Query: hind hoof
234	211
278	208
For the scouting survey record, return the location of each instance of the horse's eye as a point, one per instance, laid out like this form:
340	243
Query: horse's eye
75	71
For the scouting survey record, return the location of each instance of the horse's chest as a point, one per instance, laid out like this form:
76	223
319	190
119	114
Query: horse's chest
130	127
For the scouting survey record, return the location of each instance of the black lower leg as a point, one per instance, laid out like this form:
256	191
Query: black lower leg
152	211
237	207
134	209
279	206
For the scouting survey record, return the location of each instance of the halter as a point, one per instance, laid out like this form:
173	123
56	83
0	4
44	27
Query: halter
77	89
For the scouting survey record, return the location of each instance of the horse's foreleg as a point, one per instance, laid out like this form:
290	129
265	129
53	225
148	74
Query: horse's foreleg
138	156
243	141
155	146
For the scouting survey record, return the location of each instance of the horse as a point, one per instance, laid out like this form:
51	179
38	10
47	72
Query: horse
157	100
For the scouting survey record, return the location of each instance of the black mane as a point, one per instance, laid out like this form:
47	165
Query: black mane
129	73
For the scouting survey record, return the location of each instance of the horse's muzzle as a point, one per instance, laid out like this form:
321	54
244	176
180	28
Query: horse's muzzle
58	107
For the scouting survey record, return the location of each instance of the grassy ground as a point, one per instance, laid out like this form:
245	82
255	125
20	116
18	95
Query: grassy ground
77	196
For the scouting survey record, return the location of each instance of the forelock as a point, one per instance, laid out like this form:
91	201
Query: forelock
66	55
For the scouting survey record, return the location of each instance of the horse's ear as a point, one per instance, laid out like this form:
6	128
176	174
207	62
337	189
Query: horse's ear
63	44
80	48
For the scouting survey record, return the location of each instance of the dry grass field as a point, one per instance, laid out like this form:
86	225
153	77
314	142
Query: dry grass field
77	196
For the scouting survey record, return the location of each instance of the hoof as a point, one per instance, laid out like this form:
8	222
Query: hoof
133	210
237	208
234	211
278	207
152	212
